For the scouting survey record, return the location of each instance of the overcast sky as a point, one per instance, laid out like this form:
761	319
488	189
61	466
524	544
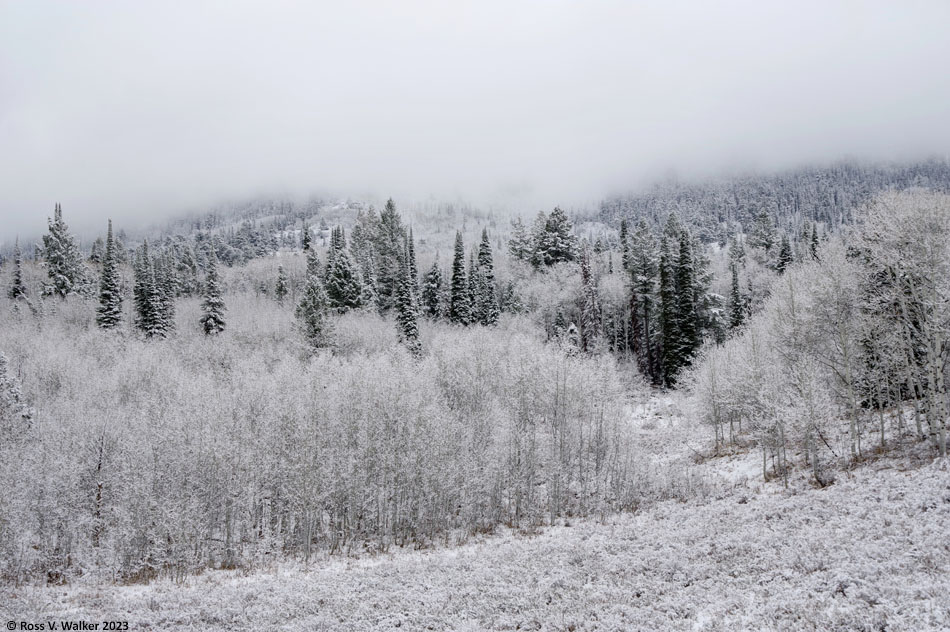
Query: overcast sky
144	109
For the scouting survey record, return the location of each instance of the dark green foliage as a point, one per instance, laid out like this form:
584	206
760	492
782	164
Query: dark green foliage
624	245
63	259
390	243
785	256
281	288
212	319
519	245
313	314
17	288
460	306
405	308
553	239
150	307
343	286
590	311
432	291
736	301
109	313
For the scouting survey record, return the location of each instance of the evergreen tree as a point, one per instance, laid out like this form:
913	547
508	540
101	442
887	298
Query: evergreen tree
432	291
813	245
281	288
736	251
63	259
736	301
144	292
413	270
475	286
624	245
406	309
18	288
784	256
519	245
762	234
590	311
488	306
166	282
555	241
343	288
686	314
669	316
313	314
109	313
212	319
643	278
306	240
391	252
460	307
96	253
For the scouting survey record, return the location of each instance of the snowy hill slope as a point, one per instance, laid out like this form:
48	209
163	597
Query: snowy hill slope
870	552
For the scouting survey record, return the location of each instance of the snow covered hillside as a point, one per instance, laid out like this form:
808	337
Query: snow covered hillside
868	553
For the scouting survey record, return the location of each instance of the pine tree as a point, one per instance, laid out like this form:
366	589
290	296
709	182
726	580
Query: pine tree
590	312
460	307
687	318
109	314
96	253
519	245
391	252
306	241
669	302
488	309
643	279
63	259
313	314
18	288
784	256
212	319
406	309
145	294
281	288
624	245
736	301
166	282
343	288
813	245
736	251
432	291
413	270
554	240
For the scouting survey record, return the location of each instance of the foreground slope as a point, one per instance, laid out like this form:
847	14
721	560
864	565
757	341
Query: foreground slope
870	552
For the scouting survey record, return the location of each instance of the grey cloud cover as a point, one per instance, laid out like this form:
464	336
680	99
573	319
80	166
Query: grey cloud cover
134	110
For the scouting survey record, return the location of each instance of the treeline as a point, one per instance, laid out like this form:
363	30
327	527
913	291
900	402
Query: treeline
829	196
856	335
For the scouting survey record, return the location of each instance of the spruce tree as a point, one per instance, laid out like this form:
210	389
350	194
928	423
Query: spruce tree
144	293
813	245
63	259
306	240
432	291
166	282
643	279
391	252
590	311
313	314
342	283
785	257
413	270
669	318
405	306
488	309
18	288
687	317
476	284
96	254
212	318
460	307
624	245
109	313
554	239
281	287
736	301
519	245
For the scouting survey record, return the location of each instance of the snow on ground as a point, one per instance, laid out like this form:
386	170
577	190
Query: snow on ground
870	552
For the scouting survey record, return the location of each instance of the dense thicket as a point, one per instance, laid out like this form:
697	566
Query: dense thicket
147	458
